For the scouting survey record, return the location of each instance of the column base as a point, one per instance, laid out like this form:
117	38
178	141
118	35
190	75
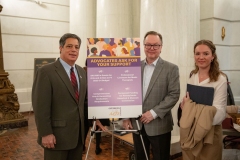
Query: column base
16	123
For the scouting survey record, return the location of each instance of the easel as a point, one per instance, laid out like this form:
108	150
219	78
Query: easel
114	129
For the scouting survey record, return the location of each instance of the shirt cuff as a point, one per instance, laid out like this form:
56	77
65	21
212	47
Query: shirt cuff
153	114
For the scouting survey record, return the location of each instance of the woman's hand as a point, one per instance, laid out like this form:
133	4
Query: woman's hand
100	126
127	124
185	98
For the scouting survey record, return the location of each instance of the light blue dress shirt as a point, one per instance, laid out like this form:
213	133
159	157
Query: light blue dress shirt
67	68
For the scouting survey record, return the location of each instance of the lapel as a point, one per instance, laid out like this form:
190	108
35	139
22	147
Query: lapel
80	77
63	75
155	75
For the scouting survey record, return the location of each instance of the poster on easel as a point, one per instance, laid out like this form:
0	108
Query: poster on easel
114	78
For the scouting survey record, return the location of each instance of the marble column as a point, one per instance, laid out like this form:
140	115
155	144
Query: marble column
115	18
216	15
178	22
83	23
136	18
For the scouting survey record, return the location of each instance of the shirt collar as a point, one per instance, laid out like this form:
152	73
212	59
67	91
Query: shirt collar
154	63
66	66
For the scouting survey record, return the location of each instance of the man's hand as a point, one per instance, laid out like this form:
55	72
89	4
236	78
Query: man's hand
49	141
146	117
127	124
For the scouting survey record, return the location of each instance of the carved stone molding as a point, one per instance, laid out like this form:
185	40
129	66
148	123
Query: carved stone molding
9	106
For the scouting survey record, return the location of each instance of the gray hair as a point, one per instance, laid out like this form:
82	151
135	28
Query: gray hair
63	39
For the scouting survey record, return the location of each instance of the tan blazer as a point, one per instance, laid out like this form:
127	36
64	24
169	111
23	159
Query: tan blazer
196	126
55	107
161	96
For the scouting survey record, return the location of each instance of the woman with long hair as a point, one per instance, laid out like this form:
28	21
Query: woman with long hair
206	74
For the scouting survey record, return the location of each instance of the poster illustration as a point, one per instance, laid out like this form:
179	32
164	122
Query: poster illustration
114	78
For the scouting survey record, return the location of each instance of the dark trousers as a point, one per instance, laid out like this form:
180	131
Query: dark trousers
160	146
98	140
105	122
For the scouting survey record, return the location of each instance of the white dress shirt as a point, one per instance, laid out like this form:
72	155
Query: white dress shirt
147	75
220	95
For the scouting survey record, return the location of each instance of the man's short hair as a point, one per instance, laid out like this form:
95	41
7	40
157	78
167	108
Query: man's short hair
63	39
153	33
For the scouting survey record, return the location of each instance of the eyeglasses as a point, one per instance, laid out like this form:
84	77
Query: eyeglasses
149	46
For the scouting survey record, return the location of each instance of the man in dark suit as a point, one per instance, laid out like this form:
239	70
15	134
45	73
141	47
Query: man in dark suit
58	102
161	89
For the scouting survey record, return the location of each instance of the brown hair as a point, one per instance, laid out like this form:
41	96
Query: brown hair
214	71
63	39
153	33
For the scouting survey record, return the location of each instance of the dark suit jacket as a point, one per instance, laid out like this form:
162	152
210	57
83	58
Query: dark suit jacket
161	96
55	107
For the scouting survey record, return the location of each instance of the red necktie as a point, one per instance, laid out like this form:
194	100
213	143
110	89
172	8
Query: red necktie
74	83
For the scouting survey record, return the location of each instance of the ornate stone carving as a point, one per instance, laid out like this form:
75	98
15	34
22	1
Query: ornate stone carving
9	105
6	86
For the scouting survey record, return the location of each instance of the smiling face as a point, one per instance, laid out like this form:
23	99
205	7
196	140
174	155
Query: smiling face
70	51
152	54
203	56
